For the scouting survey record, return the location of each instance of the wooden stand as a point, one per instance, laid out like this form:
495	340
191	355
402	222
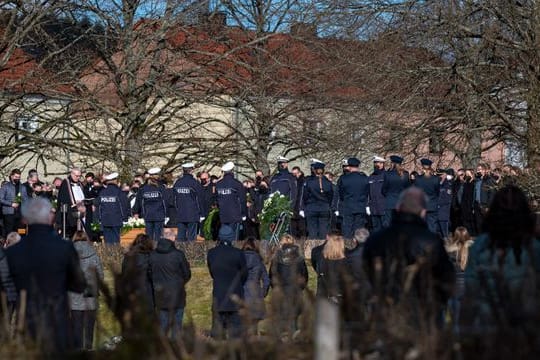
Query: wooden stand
128	237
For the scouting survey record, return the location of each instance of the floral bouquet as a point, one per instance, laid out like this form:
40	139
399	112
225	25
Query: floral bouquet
132	223
274	207
96	227
210	223
18	198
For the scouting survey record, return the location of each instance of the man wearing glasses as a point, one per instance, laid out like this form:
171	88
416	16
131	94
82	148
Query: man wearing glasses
70	194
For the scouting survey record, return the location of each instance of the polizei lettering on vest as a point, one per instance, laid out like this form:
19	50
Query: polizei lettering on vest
225	191
152	195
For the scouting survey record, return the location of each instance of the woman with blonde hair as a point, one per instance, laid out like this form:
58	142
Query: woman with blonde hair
332	269
457	247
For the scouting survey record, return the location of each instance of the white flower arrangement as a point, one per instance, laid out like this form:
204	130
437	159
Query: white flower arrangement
133	223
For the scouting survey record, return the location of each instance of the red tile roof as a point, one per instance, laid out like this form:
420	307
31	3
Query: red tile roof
22	74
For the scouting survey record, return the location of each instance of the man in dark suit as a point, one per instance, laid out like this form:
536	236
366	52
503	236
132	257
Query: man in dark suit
46	267
228	269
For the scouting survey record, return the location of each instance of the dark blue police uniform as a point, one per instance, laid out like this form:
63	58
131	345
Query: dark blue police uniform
376	201
444	206
285	183
393	186
353	191
317	196
151	204
232	202
431	187
112	207
188	196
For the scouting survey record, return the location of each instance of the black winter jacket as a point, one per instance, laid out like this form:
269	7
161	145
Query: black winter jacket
289	270
170	273
409	242
228	268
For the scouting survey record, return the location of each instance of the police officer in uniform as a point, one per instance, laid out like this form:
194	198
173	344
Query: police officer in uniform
315	206
376	202
188	197
429	183
231	199
284	181
444	204
151	204
396	179
112	207
353	189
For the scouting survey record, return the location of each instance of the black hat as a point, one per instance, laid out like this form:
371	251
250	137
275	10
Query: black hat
354	162
317	164
426	162
450	172
396	159
440	171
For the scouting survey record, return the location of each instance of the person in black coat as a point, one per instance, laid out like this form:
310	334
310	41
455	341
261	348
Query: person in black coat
353	189
466	204
228	269
46	267
170	274
316	203
136	279
188	201
284	181
231	199
430	185
396	179
256	286
70	193
357	310
408	243
298	223
288	278
112	209
333	271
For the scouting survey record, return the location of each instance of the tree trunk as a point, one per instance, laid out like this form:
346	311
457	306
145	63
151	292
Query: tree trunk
533	128
472	156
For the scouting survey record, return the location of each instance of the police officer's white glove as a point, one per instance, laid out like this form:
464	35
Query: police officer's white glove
301	213
336	213
243	218
201	219
368	210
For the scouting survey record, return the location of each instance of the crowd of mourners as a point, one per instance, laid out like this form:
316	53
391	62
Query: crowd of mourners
445	244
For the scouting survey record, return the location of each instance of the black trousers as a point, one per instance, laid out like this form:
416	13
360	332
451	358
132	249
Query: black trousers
82	323
298	227
226	325
11	223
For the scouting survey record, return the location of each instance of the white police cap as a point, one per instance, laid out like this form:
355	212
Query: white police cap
154	171
228	166
188	165
282	159
378	159
111	176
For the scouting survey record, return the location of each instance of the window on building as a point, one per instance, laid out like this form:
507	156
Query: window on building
26	123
